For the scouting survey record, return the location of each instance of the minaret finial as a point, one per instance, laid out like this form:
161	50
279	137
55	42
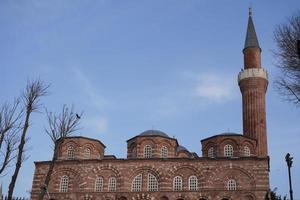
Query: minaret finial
250	11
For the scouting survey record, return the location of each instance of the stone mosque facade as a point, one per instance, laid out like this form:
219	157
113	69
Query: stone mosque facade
232	166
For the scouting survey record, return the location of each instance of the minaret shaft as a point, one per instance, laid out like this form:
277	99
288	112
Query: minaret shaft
254	111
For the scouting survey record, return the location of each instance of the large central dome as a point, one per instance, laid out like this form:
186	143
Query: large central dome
153	133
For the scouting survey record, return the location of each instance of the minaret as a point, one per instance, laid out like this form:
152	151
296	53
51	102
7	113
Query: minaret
253	82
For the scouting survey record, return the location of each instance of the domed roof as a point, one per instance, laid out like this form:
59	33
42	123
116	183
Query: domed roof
153	133
225	134
229	133
181	148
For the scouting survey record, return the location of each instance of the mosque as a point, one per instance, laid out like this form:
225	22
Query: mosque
232	166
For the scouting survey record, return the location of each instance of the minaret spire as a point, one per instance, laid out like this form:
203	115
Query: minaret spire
251	38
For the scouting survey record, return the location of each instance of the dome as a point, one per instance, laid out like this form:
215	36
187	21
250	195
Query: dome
153	133
229	133
181	148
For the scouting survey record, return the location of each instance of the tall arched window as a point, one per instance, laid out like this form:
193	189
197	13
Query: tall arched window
211	152
247	151
137	183
231	184
152	183
147	151
193	183
87	153
228	150
133	152
64	183
70	153
164	152
112	184
177	183
99	184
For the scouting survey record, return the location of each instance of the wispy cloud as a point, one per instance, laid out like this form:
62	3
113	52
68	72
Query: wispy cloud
215	87
96	99
94	124
196	91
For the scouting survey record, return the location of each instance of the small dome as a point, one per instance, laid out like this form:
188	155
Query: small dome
229	133
181	148
153	133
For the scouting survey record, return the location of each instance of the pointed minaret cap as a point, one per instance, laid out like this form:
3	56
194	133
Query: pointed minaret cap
251	38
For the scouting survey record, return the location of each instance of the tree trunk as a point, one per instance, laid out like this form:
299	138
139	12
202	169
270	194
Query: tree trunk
49	173
20	156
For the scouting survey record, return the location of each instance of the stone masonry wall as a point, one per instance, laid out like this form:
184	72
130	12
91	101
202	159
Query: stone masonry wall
250	173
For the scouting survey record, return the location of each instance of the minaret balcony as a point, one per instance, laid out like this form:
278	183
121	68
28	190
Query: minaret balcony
253	73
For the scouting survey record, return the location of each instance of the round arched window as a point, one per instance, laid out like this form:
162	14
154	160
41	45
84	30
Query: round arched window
247	151
228	150
147	151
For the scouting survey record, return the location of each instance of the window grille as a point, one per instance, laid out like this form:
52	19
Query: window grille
177	183
133	152
193	183
147	151
70	153
64	183
99	184
112	184
231	184
87	153
228	150
211	152
164	152
137	183
247	151
152	183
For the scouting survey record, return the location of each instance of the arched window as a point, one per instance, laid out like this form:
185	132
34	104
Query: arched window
112	184
70	153
99	184
228	150
164	152
247	151
87	153
152	183
193	183
137	183
147	151
231	184
177	183
64	183
211	152
133	152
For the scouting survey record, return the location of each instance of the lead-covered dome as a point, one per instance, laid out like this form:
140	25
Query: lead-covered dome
153	133
152	144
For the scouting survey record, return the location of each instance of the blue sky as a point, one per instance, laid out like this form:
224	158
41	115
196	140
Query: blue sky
134	65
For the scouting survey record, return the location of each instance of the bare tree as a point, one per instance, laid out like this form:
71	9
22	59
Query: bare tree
9	126
60	126
286	38
31	102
